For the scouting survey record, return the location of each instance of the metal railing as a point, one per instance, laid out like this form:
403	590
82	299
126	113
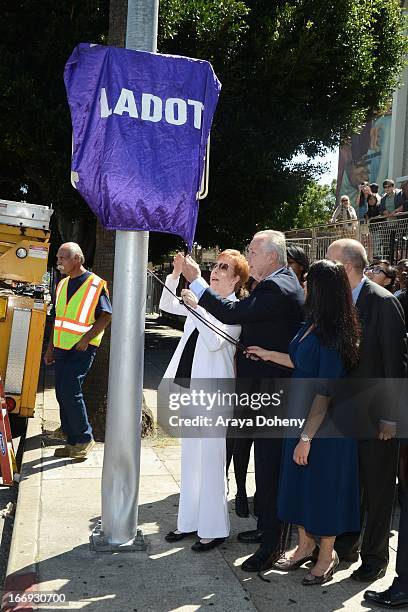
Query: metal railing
153	293
382	237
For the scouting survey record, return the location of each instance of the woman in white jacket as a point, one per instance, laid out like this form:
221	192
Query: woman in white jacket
203	490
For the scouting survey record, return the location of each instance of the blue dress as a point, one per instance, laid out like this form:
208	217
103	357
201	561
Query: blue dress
323	496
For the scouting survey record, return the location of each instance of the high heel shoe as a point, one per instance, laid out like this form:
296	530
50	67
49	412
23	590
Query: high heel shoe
288	565
311	580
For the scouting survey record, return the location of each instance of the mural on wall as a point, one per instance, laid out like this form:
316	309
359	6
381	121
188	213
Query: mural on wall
365	157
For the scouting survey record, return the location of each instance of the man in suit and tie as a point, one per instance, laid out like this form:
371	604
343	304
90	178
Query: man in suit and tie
270	317
383	356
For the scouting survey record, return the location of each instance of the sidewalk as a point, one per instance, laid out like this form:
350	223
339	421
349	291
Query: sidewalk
59	503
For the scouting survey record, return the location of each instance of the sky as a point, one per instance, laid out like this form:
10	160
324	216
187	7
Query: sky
331	159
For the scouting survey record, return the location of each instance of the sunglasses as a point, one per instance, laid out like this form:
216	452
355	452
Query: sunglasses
223	267
378	270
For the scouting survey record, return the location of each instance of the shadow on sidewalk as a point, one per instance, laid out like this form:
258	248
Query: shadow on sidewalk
170	576
165	577
43	464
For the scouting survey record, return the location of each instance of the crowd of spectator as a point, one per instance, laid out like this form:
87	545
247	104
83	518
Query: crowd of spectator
370	203
380	271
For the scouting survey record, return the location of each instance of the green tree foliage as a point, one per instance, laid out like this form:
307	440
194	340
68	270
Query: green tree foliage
297	76
36	39
300	76
316	205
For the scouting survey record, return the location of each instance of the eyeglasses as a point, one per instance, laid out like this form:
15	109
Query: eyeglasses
378	270
223	267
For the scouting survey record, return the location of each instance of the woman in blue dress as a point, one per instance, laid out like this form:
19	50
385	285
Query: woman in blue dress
319	490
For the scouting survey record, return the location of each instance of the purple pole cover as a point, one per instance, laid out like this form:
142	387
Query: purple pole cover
140	125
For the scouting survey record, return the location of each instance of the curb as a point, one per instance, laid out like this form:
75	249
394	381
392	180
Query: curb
22	568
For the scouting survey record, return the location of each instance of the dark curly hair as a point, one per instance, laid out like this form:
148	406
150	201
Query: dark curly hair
330	307
299	256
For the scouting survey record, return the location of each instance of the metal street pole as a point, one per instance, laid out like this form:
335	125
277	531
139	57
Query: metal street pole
121	466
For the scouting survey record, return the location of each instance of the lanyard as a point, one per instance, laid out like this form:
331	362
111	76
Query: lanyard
209	324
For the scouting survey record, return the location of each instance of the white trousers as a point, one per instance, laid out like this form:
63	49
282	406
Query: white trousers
203	492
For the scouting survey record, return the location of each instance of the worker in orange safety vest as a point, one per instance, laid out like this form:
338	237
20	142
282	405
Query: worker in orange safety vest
82	312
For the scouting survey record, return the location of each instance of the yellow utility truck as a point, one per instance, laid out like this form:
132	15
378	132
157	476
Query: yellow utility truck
24	244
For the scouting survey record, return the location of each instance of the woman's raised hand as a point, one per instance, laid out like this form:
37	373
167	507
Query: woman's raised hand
177	264
189	298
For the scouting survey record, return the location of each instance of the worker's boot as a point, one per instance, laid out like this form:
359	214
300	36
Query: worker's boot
81	451
63	451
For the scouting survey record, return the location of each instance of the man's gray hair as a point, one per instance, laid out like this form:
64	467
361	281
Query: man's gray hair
274	241
75	249
353	252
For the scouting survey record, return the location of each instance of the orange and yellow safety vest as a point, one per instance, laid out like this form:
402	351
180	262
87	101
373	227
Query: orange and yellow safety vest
76	316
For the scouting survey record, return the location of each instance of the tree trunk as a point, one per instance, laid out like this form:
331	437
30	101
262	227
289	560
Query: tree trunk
117	22
96	384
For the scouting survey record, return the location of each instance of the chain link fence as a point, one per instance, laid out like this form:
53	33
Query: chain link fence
382	237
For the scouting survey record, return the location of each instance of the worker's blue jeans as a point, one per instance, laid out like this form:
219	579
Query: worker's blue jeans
71	368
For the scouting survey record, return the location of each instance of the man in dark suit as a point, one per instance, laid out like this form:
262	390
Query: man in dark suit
383	356
270	317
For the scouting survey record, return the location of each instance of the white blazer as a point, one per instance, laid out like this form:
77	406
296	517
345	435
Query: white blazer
213	356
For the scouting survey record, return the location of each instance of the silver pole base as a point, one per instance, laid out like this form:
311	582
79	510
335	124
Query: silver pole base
98	543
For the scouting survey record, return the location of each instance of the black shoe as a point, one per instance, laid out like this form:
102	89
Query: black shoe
310	579
200	547
368	573
262	560
391	598
241	505
176	537
250	537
